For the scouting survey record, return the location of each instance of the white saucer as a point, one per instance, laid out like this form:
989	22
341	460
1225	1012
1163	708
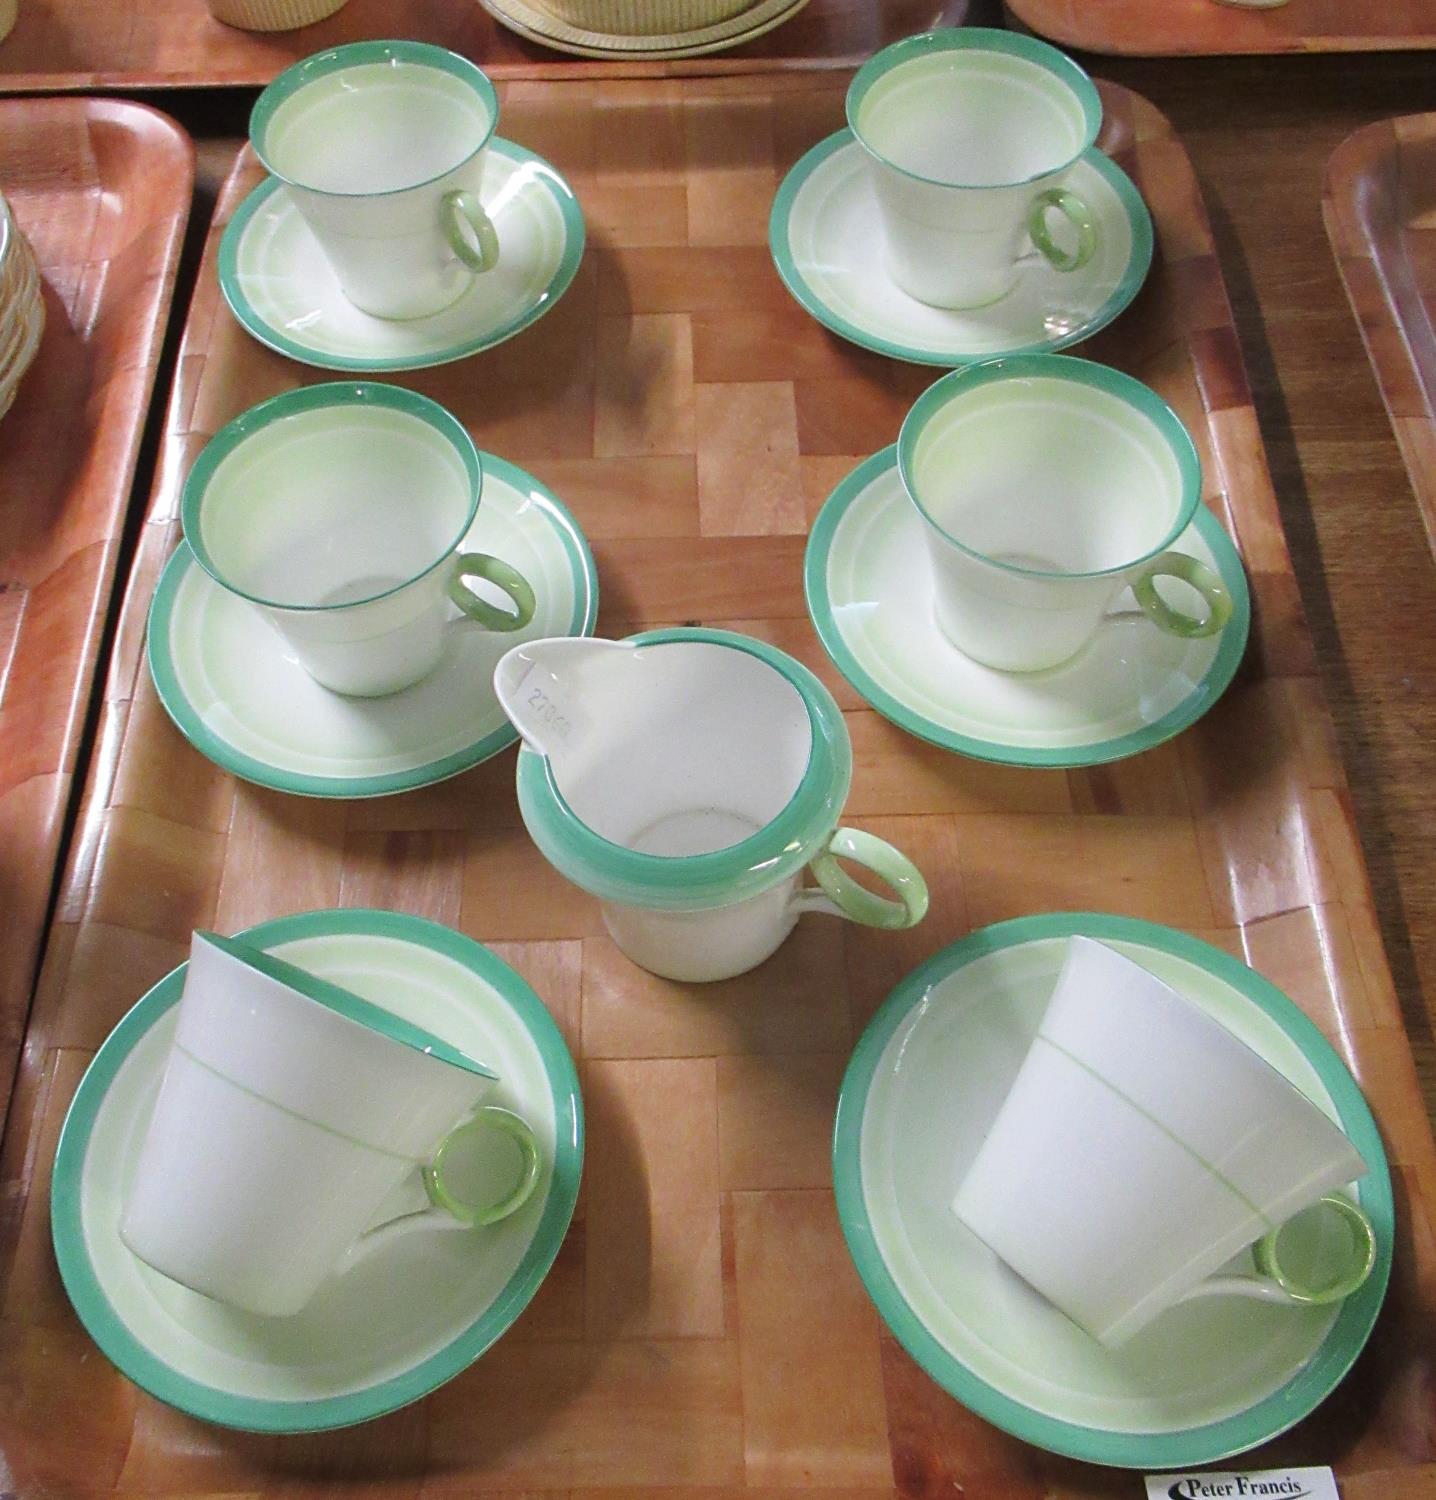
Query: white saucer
281	287
404	1320
239	695
1131	687
1205	1380
826	238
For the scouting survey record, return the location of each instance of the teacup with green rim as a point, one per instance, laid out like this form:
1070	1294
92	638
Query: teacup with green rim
689	778
340	511
299	1127
1047	486
382	145
969	135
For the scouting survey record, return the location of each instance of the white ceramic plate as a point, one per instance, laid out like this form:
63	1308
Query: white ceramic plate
826	239
1205	1380
281	287
239	695
405	1319
1131	687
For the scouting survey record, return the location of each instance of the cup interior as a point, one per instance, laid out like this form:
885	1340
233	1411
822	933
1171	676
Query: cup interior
333	506
375	127
707	745
1048	475
972	118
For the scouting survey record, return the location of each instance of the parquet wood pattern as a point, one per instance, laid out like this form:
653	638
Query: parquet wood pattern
706	1335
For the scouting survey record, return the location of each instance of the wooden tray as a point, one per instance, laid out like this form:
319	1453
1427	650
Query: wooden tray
1179	28
1380	211
694	418
102	189
132	44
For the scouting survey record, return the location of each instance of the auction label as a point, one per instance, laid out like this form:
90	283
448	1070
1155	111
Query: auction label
1257	1484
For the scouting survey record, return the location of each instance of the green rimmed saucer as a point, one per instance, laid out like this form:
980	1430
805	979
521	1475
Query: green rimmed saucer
240	697
826	239
1208	1379
282	289
401	1322
1131	687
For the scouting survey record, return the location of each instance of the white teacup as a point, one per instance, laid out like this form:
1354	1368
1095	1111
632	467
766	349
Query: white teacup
382	146
689	778
1143	1145
970	134
1047	486
298	1127
338	510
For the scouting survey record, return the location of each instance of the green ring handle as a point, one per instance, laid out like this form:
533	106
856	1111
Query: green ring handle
1268	1261
1076	212
490	1117
1201	578
492	570
888	864
463	212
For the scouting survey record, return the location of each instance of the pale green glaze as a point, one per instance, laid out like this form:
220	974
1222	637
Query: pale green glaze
448	1196
1075	210
831	273
1198	576
496	571
372	1341
483	254
345	1003
282	290
725	876
1210	1378
1131	689
888	864
239	702
1364	1251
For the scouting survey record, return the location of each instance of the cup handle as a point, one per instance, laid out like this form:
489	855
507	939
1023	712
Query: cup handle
447	1207
1076	212
464	213
839	895
1276	1283
493	570
1201	578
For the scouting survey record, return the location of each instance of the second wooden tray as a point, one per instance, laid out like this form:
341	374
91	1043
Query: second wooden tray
1380	211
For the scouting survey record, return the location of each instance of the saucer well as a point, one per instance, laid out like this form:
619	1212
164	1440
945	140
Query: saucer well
826	239
406	1318
281	287
240	697
1130	688
1208	1379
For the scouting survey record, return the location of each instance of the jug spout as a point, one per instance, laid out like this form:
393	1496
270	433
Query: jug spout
553	689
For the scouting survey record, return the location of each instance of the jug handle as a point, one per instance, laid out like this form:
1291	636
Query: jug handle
839	895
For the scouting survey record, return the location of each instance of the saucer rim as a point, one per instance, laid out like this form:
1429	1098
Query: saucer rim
1217	679
1134	276
227	757
696	42
1308	1386
138	1363
258	327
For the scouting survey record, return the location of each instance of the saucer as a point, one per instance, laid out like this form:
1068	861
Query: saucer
405	1319
541	25
1131	687
240	697
826	238
281	287
1207	1379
